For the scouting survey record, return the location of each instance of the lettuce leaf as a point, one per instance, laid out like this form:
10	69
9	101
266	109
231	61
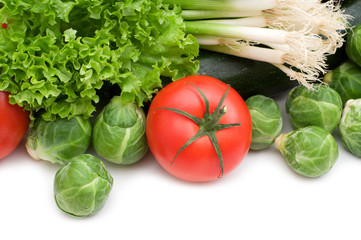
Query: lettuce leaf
56	55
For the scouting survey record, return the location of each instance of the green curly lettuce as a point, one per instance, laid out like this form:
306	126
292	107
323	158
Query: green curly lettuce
56	55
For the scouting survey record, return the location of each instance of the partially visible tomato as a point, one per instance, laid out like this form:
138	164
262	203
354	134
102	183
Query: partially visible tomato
168	131
14	123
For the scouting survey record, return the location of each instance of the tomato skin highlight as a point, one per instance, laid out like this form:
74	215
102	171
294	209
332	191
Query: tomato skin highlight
14	123
168	131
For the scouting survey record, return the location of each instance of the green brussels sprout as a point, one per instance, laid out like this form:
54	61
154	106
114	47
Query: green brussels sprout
82	186
59	140
321	106
266	121
350	126
119	132
346	80
309	151
353	45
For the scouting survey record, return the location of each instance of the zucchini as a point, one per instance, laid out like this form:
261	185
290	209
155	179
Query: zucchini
250	77
247	77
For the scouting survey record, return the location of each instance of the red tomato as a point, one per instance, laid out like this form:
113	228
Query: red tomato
167	131
14	123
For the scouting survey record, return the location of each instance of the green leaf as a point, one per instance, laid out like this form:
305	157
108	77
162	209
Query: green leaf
60	53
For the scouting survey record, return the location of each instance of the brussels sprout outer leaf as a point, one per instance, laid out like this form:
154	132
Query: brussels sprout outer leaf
320	107
82	186
309	151
346	80
266	121
353	45
119	133
59	140
350	126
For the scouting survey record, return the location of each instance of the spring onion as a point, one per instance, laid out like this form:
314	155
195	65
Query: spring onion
294	35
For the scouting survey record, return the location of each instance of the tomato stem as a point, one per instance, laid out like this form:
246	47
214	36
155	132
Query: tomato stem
214	118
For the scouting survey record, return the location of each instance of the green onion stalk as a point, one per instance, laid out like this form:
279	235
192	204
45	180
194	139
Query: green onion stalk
294	35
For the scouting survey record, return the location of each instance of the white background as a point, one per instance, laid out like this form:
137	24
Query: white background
261	199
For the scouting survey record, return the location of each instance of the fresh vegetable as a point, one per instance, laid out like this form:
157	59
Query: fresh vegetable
55	55
309	151
119	132
82	186
353	45
346	80
269	31
59	140
198	128
14	123
266	121
320	107
350	126
249	77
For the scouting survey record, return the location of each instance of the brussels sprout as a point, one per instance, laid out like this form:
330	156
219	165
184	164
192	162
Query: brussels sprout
321	107
353	45
346	80
59	140
119	132
266	121
82	186
350	126
309	151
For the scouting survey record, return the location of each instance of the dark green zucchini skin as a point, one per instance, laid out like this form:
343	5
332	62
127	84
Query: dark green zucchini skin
250	77
246	76
353	8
